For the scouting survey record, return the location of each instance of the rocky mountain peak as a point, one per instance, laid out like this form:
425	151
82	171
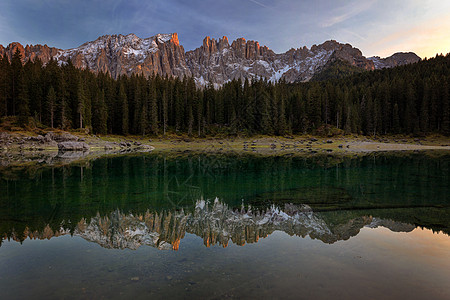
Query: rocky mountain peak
128	54
29	52
249	49
164	38
397	59
327	45
223	43
210	46
215	61
13	47
345	52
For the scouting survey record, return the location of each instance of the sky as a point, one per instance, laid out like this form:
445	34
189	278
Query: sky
376	27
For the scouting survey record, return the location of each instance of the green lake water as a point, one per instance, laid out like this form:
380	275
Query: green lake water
149	226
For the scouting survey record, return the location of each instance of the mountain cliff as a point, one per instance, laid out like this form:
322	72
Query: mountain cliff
30	52
215	62
125	55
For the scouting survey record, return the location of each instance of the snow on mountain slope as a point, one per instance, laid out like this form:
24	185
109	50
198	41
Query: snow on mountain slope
215	62
129	54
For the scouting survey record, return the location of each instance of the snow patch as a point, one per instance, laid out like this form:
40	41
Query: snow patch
163	38
135	52
200	204
377	62
278	74
263	63
135	232
201	81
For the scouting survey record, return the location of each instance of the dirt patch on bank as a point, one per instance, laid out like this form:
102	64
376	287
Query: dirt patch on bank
374	146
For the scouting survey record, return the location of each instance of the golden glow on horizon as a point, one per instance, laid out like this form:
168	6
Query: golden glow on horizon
429	244
426	39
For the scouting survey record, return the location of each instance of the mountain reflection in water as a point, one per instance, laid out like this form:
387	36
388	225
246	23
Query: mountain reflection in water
215	223
293	227
154	200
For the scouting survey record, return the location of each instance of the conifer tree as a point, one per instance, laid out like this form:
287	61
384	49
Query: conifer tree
348	121
100	117
165	106
63	108
262	116
424	111
153	108
180	92
445	107
81	102
410	112
396	119
190	119
33	80
51	105
314	104
23	101
17	80
282	123
199	110
249	107
143	118
123	108
4	84
137	105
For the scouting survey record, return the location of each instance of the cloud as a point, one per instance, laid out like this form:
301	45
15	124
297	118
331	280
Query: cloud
259	3
350	11
353	33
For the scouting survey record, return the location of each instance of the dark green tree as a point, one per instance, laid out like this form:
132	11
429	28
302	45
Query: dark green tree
123	108
51	105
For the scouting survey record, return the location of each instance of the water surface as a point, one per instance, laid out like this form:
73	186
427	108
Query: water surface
212	226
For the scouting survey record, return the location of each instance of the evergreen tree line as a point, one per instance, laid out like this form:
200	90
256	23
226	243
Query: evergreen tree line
411	99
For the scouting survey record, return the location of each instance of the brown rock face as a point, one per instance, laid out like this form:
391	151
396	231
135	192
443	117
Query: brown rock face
218	62
353	56
30	52
250	50
11	49
126	55
215	62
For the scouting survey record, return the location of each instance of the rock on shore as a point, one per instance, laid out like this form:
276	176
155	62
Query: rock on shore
73	146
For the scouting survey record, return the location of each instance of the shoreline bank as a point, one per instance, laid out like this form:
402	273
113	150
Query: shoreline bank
25	146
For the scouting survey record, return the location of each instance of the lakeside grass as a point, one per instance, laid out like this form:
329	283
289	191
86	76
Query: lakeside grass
267	145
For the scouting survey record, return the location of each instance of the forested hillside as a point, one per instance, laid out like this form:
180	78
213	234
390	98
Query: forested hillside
411	99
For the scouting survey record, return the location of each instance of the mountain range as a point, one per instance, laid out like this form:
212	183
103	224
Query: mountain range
215	62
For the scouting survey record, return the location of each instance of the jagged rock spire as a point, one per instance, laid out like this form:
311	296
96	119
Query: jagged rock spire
216	61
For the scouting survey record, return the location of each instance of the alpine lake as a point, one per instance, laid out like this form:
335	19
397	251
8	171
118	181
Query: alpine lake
230	225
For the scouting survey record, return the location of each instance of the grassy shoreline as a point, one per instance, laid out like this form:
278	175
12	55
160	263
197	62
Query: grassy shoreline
25	142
